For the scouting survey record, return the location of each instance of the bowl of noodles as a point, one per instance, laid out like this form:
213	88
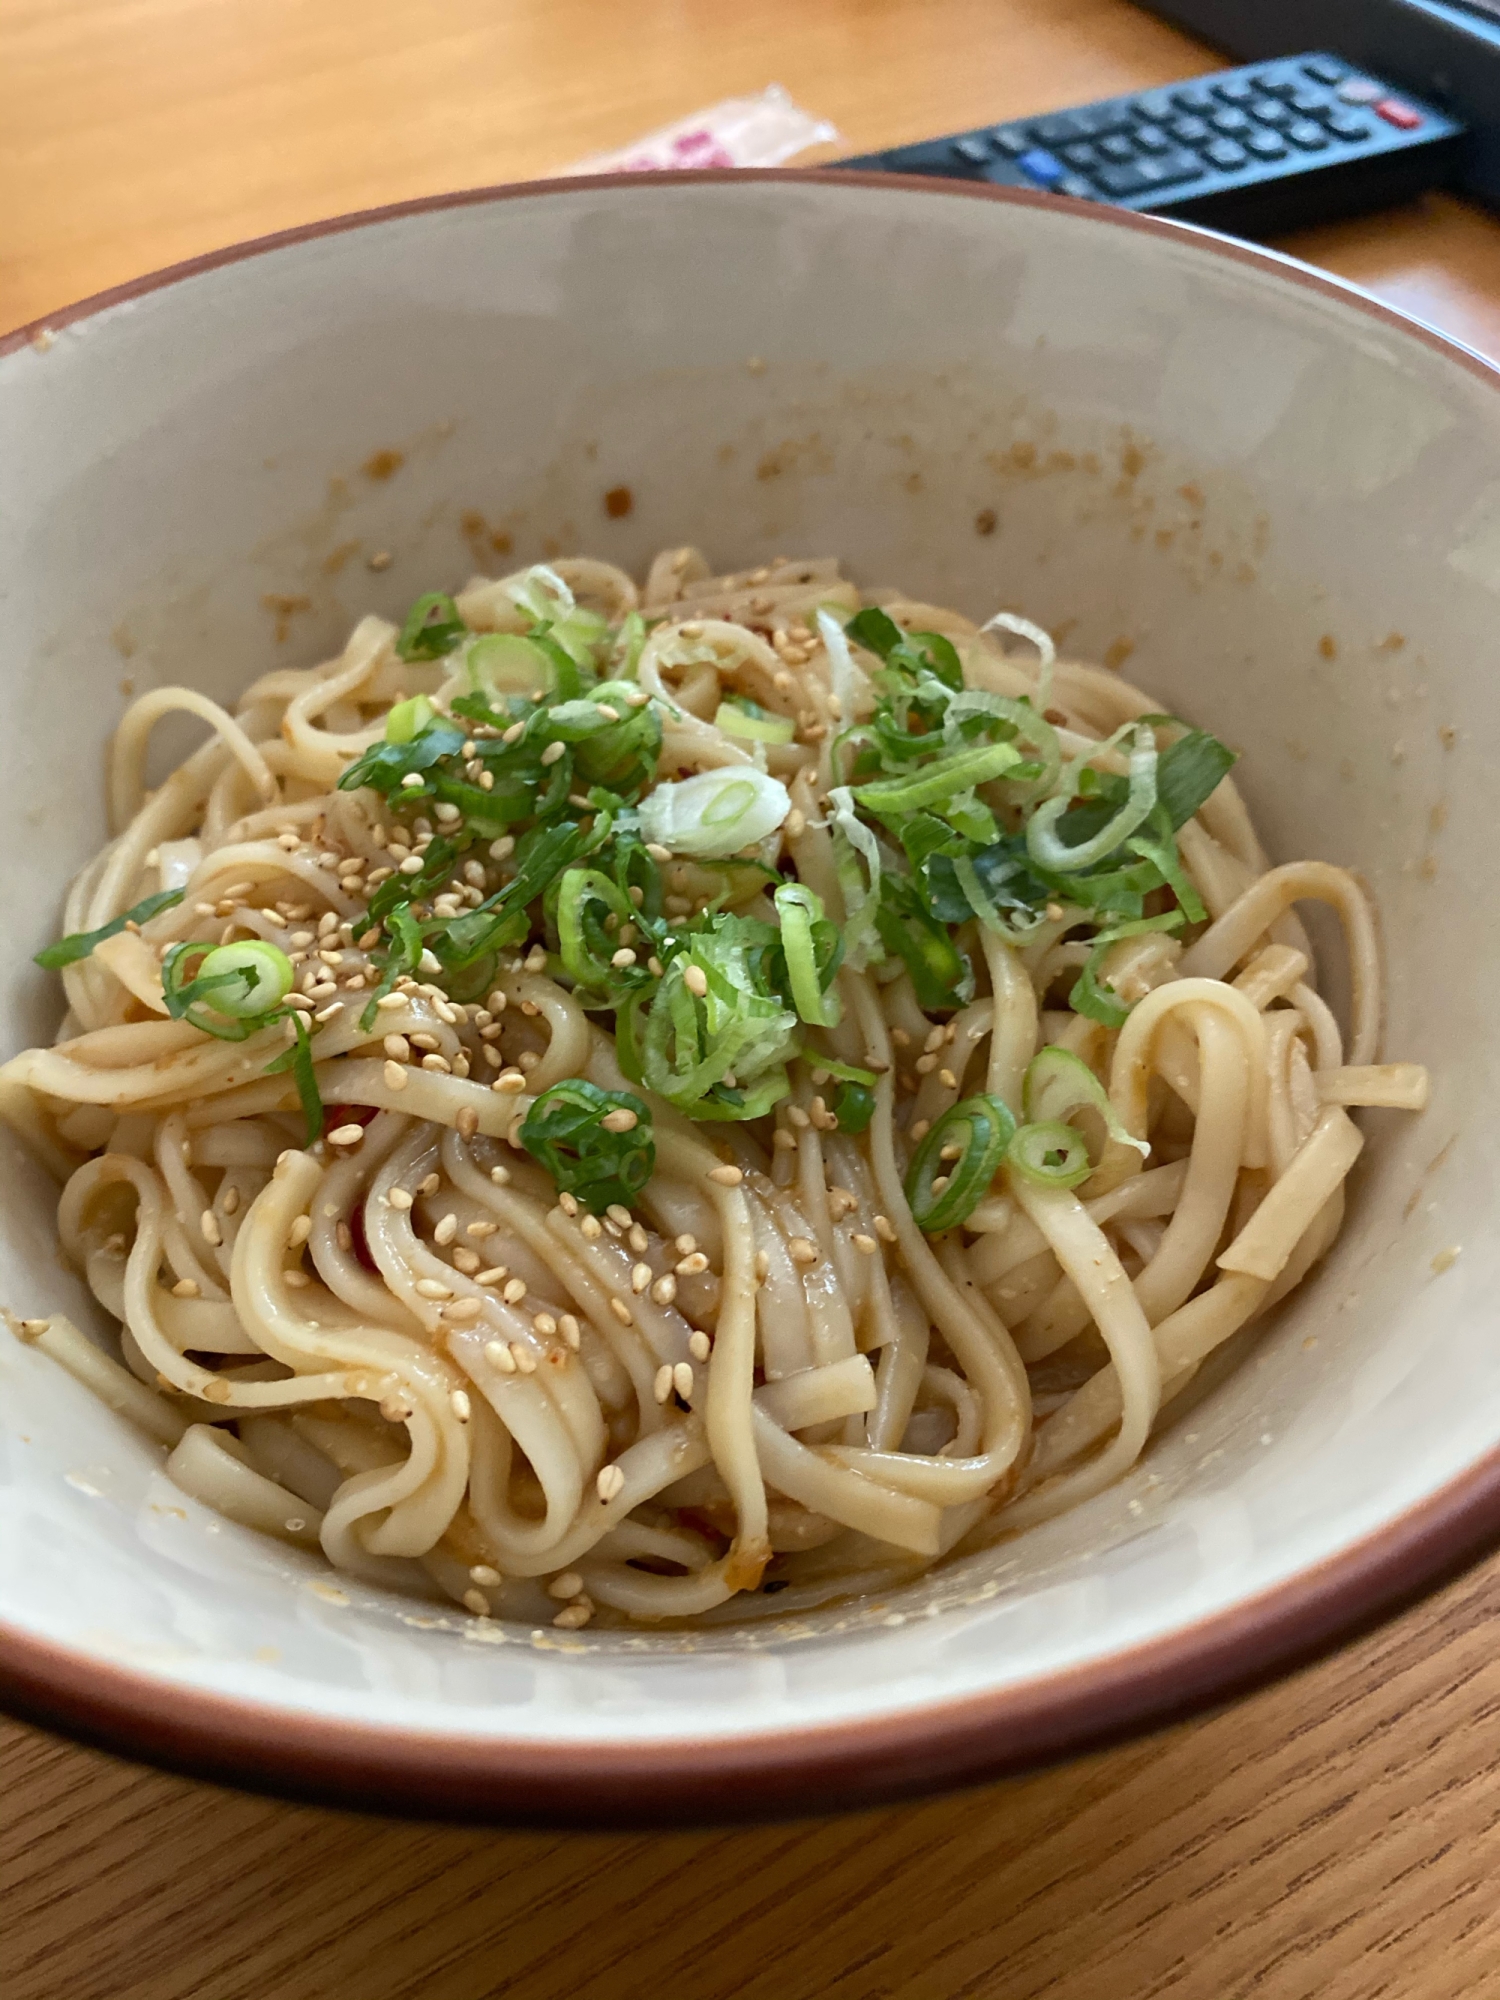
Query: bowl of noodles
745	1039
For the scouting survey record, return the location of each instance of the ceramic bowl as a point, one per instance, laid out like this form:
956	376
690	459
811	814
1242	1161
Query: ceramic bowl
1276	500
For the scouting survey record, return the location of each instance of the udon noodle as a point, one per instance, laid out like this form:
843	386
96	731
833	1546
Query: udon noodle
616	1104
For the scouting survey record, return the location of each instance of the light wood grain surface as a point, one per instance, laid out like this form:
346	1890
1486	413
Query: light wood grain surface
1337	1836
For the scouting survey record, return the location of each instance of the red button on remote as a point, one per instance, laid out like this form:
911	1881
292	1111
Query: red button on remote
1394	112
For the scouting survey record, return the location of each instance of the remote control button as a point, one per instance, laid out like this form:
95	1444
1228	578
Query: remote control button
1360	90
1279	83
1233	124
1042	166
1082	156
1234	90
1191	131
1324	69
1155	106
1151	139
1010	140
1346	124
1307	135
1271	111
1077	186
1306	103
1226	154
1117	148
1394	112
1122	182
1171	167
1197	97
975	151
1062	127
1266	145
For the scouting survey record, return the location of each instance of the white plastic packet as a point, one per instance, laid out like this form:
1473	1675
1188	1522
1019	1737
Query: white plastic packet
761	131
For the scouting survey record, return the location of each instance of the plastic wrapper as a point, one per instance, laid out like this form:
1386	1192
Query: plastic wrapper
761	131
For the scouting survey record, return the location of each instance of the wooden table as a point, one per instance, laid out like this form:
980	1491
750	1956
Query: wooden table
1333	1836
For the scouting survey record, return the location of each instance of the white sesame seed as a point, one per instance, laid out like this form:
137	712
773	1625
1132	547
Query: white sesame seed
500	1176
467	1122
624	956
185	1288
477	1602
640	1277
300	1230
571	1332
682	1379
726	1176
885	1229
659	854
622	1312
509	1081
803	1251
569	1584
433	1288
695	979
482	1573
458	1402
462	1311
298	1280
573	1617
552	752
229	1200
619	1214
514	1292
610	1483
699	1345
399	1198
691	1266
499	1355
545	1325
664	1291
395	1076
346	1135
523	1357
208	1222
398	1048
446	1230
661	1388
591	1227
866	1245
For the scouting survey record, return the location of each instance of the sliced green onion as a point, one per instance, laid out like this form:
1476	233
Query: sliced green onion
584	899
853	1106
505	664
982	1126
848	681
853	842
939	780
691	1040
68	950
715	813
625	654
1090	995
1049	1156
541	593
241	987
299	1060
1058	1083
1031	727
408	719
252	977
598	1145
1007	621
799	909
432	629
754	728
1042	842
1160	848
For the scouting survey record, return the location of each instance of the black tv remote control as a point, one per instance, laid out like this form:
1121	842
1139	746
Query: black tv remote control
1254	151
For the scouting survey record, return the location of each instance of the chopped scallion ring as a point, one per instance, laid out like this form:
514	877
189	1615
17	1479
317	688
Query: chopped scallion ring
982	1126
1049	1156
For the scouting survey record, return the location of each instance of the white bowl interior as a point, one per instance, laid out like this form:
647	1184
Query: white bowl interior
1282	509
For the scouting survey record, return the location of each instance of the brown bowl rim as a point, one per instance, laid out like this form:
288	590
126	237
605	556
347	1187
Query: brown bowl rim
841	1766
